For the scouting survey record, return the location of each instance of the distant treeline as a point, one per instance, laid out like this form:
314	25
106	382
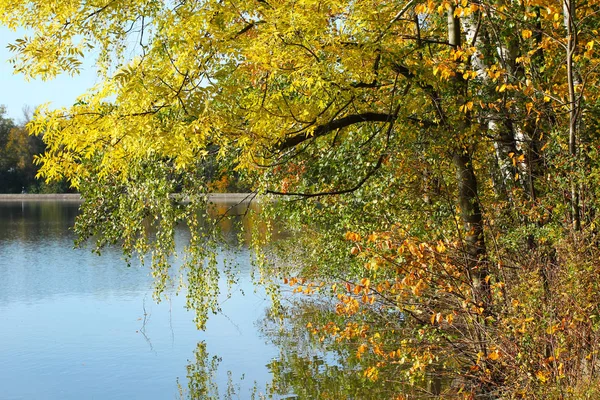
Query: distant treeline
17	151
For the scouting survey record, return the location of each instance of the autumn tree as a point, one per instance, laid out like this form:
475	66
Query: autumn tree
17	151
6	124
444	151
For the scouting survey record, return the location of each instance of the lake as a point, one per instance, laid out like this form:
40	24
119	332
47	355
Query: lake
74	325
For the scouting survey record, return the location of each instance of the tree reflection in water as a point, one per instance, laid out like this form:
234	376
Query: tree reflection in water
201	372
312	367
315	366
201	379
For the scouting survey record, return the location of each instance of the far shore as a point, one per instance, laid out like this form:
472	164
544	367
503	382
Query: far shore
76	197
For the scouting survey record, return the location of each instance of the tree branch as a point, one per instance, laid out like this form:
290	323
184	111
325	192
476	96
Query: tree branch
334	192
324	129
428	88
248	27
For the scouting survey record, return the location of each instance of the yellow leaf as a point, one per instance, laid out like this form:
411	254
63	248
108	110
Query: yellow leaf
529	106
352	236
590	45
440	247
361	349
541	376
372	373
551	329
526	33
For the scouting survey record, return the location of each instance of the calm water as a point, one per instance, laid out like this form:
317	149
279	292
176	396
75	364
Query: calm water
74	325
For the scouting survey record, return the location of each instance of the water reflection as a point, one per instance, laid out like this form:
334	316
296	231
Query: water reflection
201	373
316	367
309	369
38	260
76	325
27	222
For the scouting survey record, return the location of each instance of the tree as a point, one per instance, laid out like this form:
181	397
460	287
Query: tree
6	124
17	151
438	142
10	177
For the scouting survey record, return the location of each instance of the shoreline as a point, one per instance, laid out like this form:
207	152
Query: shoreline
76	197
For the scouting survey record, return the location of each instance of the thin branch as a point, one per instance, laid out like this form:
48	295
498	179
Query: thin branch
305	48
335	192
399	15
247	28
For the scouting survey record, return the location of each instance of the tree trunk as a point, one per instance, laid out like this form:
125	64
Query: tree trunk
470	211
572	82
513	170
472	219
468	198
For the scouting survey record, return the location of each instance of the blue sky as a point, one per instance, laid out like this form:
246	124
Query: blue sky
16	92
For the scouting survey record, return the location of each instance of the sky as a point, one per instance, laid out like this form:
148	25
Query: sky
16	92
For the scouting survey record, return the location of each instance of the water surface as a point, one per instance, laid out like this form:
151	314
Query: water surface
74	325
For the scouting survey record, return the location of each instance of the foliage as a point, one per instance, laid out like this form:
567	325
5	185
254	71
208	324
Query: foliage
445	154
